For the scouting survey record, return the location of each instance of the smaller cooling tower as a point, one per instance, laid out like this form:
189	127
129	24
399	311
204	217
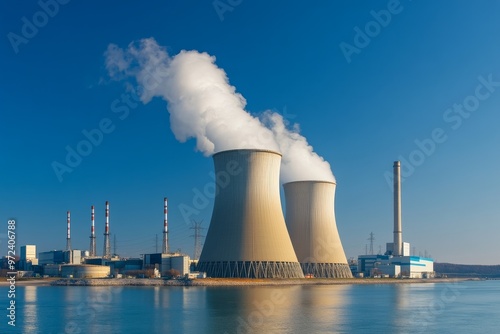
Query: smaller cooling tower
247	236
310	219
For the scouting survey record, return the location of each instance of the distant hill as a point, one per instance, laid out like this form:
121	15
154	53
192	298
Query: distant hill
467	270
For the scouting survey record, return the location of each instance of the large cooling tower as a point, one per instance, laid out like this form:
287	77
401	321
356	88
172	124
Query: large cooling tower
247	236
310	218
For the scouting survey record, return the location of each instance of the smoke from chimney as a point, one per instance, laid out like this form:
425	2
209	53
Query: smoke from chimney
203	105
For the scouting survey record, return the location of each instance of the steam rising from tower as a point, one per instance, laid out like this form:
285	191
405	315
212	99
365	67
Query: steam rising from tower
247	236
203	105
92	233
310	218
165	249
300	162
107	246
68	236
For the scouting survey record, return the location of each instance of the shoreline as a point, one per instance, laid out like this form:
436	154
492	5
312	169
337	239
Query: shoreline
218	282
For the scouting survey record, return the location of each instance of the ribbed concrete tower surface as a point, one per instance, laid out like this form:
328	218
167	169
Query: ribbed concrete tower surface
310	219
247	236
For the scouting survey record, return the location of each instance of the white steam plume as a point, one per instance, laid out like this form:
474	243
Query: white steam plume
201	102
203	105
299	162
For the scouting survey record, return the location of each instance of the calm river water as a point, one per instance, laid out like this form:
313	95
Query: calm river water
465	307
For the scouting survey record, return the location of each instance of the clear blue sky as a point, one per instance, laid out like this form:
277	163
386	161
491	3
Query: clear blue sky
359	115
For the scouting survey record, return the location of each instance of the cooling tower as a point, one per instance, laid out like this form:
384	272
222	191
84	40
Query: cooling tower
247	236
310	219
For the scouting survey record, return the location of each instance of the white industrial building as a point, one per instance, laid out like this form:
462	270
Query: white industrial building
84	271
28	257
400	266
165	262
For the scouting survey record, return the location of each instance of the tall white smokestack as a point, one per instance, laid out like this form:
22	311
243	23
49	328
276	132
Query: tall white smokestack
92	233
165	249
310	219
107	245
247	236
68	236
398	231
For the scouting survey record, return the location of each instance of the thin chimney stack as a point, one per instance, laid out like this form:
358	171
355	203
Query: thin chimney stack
92	233
398	230
68	237
107	246
165	249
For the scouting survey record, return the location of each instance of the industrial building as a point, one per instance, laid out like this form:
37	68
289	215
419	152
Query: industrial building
397	261
400	266
84	271
117	266
28	258
247	236
60	257
166	262
310	219
51	270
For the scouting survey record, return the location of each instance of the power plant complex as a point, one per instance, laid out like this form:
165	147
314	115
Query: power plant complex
249	236
86	264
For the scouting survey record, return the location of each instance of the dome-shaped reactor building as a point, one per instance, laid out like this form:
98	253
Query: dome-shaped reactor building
310	219
247	236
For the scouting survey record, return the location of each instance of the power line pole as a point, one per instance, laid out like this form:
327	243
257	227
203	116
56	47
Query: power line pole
371	238
196	226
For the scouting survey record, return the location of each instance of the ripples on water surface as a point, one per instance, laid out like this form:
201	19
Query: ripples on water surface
467	307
